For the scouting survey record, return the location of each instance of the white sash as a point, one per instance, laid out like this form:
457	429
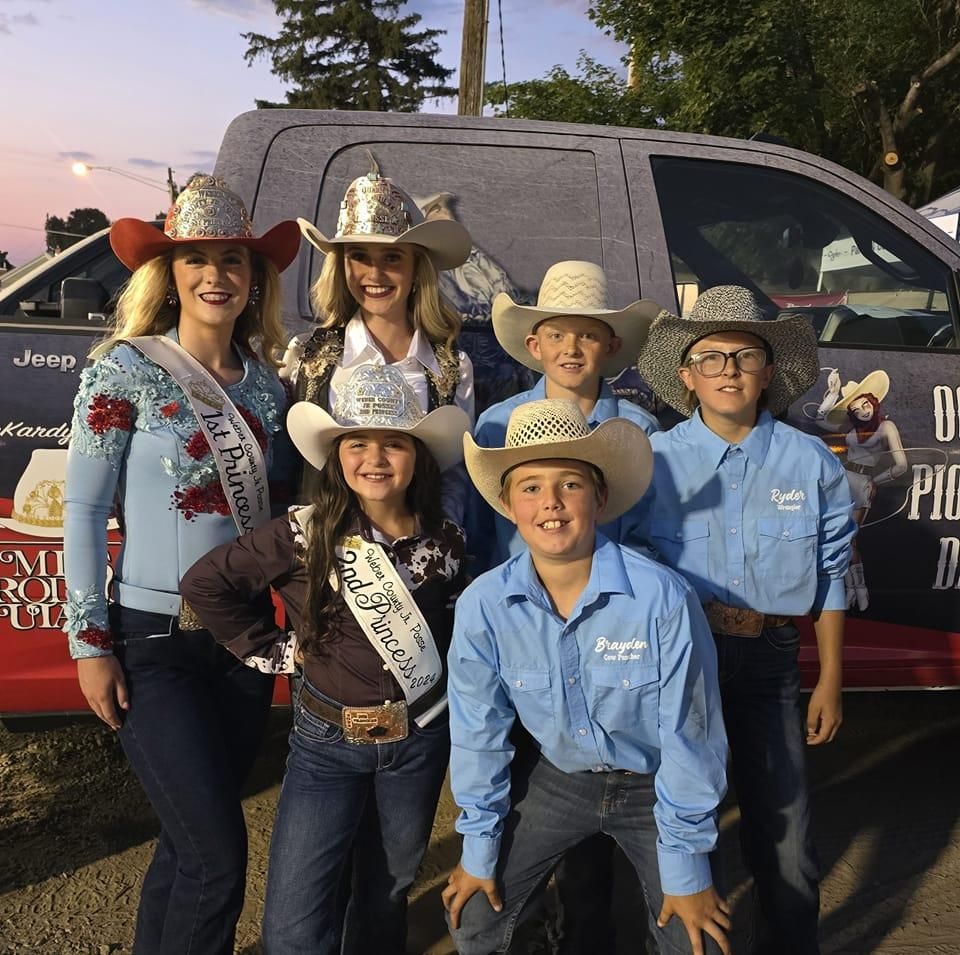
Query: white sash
240	463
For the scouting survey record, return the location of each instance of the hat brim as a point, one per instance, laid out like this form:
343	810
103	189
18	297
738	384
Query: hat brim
314	430
791	339
618	448
512	324
446	241
135	242
877	383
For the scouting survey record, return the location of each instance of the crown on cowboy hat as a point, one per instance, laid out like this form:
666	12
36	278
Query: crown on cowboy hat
556	428
376	209
205	211
877	383
730	308
377	398
573	288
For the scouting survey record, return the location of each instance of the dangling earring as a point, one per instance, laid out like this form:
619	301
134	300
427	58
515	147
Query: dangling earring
253	298
173	300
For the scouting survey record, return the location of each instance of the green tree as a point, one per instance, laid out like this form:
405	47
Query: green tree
62	233
352	54
870	85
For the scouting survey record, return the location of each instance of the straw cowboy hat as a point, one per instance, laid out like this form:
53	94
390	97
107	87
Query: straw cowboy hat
376	209
573	288
730	308
377	398
877	383
556	428
205	211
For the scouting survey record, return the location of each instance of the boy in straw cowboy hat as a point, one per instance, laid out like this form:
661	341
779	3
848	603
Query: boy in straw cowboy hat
757	516
575	340
605	658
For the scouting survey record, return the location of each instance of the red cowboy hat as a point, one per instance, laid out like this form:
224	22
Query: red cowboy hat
206	211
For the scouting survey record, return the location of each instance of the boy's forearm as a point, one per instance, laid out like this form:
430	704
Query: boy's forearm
828	626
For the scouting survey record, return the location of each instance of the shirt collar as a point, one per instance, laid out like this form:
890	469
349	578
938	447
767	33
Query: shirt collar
607	576
755	445
607	404
359	348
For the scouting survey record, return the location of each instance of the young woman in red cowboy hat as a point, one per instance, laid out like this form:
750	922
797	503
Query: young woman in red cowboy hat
175	426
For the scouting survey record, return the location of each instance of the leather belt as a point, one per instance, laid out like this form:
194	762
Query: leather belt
740	621
859	468
386	723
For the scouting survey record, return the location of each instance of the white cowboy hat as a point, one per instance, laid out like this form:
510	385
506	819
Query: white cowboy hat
730	308
573	288
375	209
556	428
877	383
377	398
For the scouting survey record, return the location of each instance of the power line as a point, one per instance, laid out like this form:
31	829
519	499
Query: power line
34	228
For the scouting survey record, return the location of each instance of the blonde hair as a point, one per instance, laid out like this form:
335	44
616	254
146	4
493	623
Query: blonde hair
143	309
334	305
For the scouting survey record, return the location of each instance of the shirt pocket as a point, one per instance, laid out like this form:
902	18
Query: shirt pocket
625	694
682	544
787	547
532	695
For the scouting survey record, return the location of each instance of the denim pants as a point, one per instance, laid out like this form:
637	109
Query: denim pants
766	729
551	811
191	734
369	807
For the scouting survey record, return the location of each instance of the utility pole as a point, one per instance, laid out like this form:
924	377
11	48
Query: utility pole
473	57
172	186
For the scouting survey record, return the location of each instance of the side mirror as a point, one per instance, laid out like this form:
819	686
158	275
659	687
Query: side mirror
82	301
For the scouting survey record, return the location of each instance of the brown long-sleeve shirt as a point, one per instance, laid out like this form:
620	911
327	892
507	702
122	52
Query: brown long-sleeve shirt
226	587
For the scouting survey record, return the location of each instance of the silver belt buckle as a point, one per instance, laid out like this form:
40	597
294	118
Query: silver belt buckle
375	724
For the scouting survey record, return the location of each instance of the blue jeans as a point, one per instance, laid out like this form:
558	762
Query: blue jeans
760	689
366	805
550	812
191	734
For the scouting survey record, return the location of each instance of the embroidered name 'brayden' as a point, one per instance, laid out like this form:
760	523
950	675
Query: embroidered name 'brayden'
604	645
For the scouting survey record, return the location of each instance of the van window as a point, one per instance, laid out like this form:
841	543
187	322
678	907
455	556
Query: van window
807	248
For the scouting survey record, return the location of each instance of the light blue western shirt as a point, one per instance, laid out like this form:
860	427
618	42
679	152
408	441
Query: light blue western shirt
765	524
491	538
628	682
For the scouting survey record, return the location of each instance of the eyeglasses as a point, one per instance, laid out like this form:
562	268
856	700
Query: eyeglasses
710	364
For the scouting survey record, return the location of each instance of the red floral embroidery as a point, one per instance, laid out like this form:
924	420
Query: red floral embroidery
255	426
208	499
170	409
95	637
198	447
106	413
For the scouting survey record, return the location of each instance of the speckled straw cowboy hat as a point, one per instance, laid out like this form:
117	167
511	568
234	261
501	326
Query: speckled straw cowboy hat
376	209
556	428
377	398
205	211
877	383
573	288
730	308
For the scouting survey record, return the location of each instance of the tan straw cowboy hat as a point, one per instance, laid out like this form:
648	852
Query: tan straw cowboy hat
376	209
730	308
377	398
205	211
556	428
573	288
877	383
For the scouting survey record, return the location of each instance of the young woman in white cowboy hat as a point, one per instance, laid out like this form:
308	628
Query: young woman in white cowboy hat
377	301
756	515
605	658
368	573
195	346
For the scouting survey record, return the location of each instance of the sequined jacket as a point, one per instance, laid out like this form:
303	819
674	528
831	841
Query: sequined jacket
136	449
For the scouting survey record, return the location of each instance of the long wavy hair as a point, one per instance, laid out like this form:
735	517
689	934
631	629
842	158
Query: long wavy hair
429	310
143	309
336	509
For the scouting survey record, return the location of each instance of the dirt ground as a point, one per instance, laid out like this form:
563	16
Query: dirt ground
76	834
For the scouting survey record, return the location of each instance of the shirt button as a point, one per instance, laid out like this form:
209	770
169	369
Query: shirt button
518	683
678	534
733	530
582	731
626	683
571	680
735	581
786	533
734	486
